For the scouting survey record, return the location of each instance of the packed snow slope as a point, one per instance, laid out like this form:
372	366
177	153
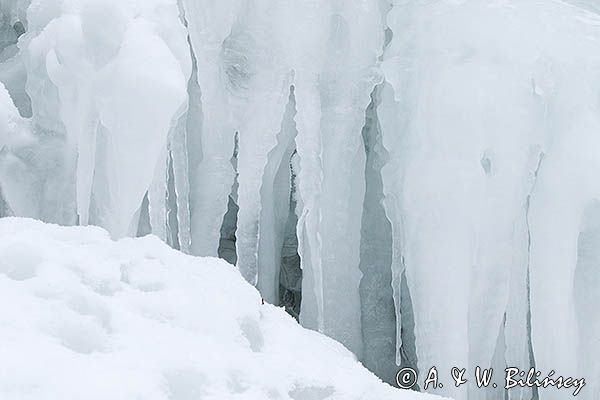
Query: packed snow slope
85	317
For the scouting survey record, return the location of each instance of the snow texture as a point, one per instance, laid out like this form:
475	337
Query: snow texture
85	317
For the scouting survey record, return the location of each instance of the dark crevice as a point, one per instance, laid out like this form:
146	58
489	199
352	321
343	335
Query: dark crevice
144	227
378	311
227	250
8	34
172	221
486	164
278	261
5	210
19	28
290	277
378	314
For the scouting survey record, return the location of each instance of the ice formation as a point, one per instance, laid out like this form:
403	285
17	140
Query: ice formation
88	317
421	174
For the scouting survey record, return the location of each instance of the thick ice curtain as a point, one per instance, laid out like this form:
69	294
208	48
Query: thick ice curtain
437	160
343	82
488	179
102	106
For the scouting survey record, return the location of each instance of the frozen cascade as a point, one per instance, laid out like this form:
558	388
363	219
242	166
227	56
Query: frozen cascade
333	206
431	166
561	215
261	86
458	181
210	126
91	102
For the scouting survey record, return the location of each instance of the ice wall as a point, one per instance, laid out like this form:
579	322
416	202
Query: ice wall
478	139
105	103
437	160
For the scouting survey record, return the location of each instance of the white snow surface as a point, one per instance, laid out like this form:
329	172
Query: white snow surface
86	317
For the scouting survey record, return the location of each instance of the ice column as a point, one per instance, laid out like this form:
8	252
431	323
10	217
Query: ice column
210	23
333	108
111	99
461	142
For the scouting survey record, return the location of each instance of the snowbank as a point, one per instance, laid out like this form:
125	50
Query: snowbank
85	317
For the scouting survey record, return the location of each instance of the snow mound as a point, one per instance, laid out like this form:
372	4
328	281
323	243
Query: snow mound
85	317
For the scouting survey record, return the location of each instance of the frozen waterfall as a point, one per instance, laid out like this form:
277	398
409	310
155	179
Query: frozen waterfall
418	179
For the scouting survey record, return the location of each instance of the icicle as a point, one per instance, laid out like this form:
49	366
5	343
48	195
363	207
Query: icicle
377	306
210	130
455	182
257	137
171	206
462	143
393	113
562	216
329	228
310	178
275	198
91	89
485	164
179	154
157	198
260	78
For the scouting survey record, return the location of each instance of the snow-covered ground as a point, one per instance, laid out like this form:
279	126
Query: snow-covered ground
85	317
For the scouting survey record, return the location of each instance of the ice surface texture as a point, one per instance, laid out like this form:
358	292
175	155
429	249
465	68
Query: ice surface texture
440	161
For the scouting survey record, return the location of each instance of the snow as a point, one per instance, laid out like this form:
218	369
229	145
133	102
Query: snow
84	316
